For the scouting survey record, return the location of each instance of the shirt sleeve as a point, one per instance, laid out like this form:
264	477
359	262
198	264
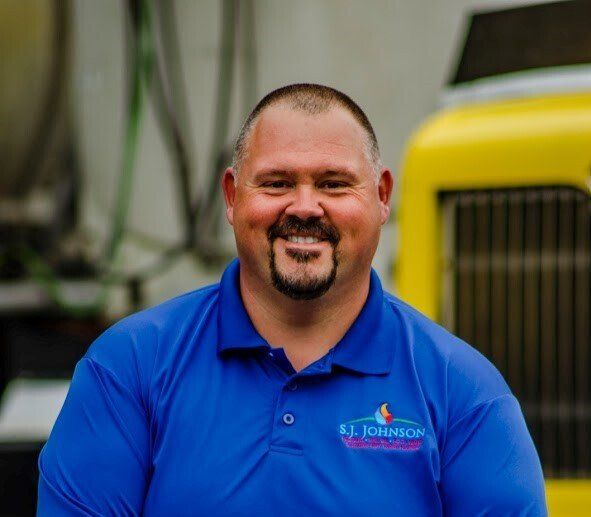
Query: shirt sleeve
96	461
490	465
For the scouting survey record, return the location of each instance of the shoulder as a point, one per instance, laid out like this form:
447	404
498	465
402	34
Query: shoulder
446	364
129	348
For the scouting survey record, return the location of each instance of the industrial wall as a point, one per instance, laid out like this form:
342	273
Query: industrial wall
392	56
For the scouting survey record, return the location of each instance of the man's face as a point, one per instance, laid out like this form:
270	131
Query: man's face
306	206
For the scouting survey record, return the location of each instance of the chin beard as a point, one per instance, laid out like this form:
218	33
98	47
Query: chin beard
306	288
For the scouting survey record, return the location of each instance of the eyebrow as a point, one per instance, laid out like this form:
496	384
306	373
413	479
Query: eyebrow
341	173
274	173
264	175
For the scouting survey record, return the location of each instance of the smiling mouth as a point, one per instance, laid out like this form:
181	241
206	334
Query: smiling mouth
306	232
302	239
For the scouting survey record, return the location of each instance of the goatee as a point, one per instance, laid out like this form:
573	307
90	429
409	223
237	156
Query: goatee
307	288
303	287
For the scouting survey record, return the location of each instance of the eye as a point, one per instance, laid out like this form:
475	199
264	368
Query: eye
332	185
277	184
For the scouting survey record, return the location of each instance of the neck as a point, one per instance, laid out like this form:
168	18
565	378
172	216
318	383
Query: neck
305	329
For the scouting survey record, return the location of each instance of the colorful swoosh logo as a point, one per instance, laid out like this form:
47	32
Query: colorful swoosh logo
383	415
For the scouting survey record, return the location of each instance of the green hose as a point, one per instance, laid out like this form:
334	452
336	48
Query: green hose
37	267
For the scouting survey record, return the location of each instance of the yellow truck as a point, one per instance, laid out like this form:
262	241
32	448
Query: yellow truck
495	234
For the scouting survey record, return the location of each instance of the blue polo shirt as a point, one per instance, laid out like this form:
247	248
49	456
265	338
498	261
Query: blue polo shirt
184	409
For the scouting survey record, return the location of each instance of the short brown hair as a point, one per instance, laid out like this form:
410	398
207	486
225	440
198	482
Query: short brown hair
312	99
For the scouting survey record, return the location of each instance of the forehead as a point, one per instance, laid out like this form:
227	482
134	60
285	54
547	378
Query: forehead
283	137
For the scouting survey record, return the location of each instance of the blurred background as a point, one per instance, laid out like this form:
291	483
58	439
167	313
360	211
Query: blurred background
117	119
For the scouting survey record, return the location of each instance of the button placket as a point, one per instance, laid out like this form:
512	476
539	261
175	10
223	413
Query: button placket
288	417
286	435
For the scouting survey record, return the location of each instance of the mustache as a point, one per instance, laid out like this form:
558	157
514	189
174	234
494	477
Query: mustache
313	227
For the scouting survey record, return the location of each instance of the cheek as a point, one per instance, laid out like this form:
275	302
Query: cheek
256	214
358	221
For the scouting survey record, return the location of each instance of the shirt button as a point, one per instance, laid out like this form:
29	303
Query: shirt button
288	419
293	386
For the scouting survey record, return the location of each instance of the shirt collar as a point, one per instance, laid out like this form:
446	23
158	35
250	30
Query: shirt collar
369	344
235	330
367	347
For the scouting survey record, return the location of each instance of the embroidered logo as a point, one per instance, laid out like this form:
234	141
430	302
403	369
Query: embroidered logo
382	431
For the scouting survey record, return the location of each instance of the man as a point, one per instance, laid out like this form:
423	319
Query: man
296	386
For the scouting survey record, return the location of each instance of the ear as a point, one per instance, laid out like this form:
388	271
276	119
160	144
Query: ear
229	188
385	186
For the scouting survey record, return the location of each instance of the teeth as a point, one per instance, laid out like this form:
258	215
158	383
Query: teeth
301	239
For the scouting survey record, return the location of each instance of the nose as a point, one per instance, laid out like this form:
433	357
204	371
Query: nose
305	203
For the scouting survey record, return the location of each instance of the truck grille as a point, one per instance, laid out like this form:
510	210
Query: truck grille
516	285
